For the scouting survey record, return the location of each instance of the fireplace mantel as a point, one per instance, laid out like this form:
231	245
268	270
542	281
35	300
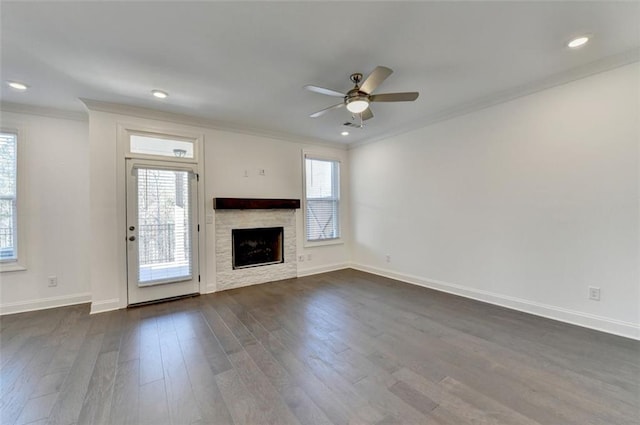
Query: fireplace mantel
254	204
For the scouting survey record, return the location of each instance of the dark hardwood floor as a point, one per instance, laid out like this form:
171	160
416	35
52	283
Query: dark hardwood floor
339	348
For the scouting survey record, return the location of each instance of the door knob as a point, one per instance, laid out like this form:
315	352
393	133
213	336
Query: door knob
132	238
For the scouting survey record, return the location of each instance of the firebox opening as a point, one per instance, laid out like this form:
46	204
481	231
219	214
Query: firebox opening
257	247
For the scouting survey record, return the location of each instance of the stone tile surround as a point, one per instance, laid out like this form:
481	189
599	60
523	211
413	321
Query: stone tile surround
226	220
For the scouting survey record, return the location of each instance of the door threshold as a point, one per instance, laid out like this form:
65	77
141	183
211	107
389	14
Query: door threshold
163	300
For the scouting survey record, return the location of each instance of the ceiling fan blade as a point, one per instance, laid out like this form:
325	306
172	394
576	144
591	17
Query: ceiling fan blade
322	90
325	110
350	124
367	114
376	78
394	97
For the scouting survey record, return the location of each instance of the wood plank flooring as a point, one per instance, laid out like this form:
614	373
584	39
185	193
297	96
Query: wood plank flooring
339	348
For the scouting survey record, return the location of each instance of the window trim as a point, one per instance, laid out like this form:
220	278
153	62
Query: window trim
20	263
320	242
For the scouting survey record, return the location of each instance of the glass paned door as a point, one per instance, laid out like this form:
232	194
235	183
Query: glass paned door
161	231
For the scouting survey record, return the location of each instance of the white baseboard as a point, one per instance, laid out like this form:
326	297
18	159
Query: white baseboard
43	303
591	321
210	288
323	269
105	305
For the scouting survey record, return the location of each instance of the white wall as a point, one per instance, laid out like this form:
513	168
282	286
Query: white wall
523	204
55	216
226	156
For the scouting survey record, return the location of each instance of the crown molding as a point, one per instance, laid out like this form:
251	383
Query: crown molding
176	118
43	111
606	64
602	65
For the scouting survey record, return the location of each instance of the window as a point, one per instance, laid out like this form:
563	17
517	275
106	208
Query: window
322	199
161	146
8	197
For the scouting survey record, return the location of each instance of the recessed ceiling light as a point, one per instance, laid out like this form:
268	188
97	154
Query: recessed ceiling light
345	133
577	42
160	94
18	86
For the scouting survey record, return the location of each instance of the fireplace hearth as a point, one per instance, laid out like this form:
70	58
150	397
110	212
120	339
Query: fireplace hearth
257	247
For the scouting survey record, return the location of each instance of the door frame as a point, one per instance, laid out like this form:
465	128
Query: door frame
123	130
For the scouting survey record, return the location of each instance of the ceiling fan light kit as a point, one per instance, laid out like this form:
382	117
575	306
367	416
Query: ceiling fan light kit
358	99
357	104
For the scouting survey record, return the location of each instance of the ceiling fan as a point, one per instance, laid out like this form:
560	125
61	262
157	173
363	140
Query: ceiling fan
357	99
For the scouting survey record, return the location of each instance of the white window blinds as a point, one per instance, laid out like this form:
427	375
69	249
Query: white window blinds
8	195
164	225
322	199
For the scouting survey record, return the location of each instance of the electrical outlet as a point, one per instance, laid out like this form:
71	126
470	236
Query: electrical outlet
301	258
309	257
53	280
594	293
388	258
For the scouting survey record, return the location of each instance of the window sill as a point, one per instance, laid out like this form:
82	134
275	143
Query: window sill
11	267
327	242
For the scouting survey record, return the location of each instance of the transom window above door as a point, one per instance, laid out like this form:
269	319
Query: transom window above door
164	146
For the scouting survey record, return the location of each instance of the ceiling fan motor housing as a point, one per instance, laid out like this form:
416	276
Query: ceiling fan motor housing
356	100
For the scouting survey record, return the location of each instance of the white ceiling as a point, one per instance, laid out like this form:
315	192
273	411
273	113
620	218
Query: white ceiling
243	64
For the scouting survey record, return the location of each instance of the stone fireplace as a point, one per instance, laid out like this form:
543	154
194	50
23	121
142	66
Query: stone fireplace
255	241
